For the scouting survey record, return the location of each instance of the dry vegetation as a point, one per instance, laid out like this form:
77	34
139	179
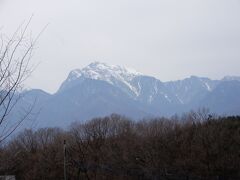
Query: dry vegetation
195	146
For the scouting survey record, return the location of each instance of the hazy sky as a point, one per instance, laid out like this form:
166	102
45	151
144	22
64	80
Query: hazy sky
168	39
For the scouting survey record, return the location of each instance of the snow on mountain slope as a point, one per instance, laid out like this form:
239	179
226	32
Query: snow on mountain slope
224	99
231	78
145	89
191	89
116	75
100	89
103	71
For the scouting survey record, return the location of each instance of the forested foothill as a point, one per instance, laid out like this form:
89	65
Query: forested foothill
193	146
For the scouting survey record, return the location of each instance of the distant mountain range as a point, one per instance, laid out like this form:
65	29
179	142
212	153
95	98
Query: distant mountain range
101	89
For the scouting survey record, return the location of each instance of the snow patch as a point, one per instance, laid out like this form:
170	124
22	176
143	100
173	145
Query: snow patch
208	87
166	96
113	74
180	100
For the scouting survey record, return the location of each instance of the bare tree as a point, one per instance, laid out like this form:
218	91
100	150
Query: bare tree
15	55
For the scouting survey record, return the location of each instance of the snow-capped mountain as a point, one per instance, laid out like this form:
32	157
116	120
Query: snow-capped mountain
133	83
100	89
191	89
118	76
231	78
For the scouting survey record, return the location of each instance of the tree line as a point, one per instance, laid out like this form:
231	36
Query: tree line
194	146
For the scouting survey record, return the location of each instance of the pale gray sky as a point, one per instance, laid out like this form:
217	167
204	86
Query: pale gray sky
168	39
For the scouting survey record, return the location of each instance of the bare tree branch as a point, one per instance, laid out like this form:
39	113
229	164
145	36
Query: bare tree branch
15	56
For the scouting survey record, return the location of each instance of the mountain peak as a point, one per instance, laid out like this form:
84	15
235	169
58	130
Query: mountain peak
100	66
102	71
231	78
97	64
